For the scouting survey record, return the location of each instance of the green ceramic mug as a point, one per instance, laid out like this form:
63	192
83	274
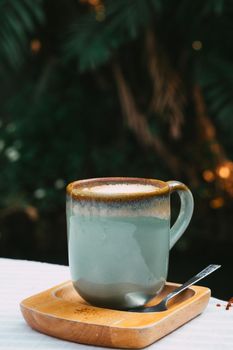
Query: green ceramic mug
119	237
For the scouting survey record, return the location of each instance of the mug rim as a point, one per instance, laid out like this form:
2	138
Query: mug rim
74	189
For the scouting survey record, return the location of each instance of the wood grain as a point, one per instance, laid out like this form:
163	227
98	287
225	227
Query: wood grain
62	313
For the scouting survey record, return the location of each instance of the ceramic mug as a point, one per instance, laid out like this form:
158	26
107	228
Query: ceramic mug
119	237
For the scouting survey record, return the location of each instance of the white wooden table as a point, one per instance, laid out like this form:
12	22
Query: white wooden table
213	330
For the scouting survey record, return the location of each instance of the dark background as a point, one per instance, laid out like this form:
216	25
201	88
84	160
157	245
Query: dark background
97	88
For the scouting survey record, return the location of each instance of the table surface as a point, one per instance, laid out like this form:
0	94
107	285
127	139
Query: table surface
19	279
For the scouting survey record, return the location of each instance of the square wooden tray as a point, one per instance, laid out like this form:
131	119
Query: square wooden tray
60	312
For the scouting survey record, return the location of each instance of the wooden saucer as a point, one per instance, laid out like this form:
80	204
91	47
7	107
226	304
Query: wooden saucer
62	313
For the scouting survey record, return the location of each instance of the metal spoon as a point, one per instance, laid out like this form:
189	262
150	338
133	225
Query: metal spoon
162	306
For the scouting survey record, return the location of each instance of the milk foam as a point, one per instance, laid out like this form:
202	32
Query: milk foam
120	189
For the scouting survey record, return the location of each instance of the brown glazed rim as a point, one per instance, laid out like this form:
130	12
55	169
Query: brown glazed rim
74	189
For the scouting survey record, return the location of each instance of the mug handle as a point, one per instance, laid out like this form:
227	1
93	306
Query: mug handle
186	210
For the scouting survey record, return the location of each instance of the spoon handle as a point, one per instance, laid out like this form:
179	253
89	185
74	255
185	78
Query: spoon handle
208	270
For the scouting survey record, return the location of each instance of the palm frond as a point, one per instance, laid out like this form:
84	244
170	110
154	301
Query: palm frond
18	19
216	79
93	42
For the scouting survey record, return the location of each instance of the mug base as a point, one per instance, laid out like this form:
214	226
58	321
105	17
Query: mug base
122	296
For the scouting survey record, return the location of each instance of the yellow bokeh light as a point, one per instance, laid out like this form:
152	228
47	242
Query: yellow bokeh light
197	45
217	203
35	45
208	175
32	212
224	171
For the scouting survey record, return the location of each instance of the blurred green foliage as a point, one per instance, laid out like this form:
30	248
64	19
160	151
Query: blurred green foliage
60	114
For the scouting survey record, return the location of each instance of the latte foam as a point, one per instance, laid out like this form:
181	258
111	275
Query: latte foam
120	189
